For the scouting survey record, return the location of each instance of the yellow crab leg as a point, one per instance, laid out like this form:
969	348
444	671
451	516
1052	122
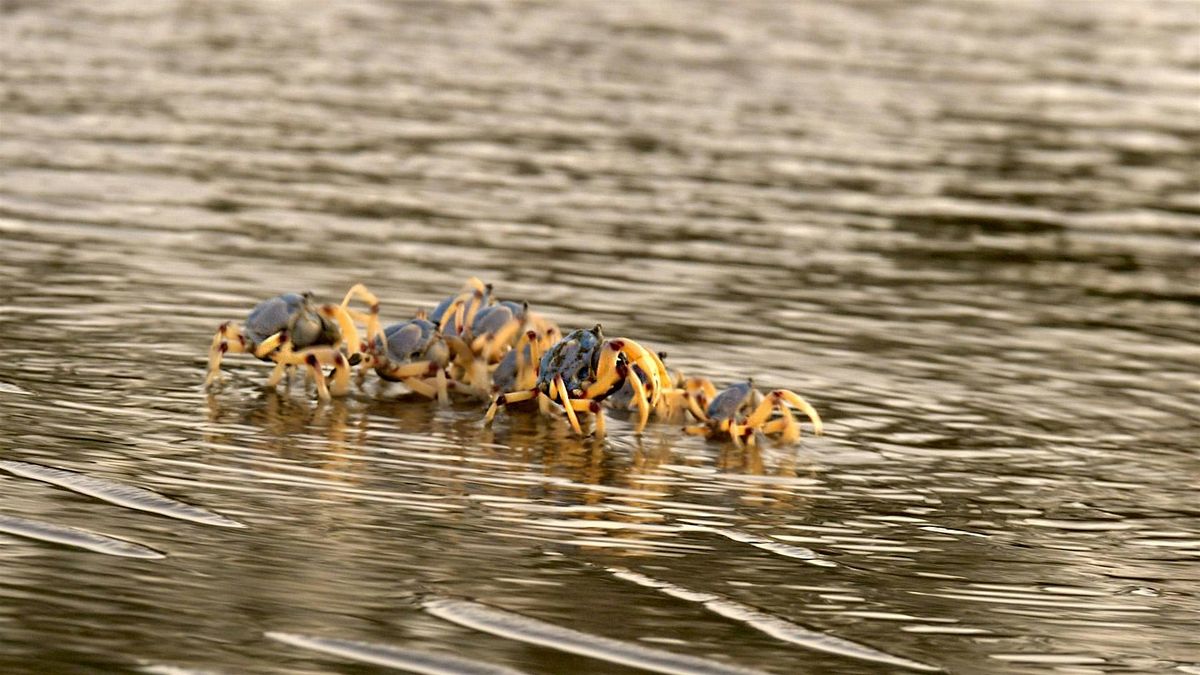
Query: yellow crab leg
639	396
535	352
372	320
270	344
664	375
227	339
694	407
791	430
277	374
451	310
463	356
443	396
416	369
480	292
778	426
606	369
606	372
735	432
776	399
696	430
527	374
314	358
598	412
565	399
460	319
505	399
419	386
349	330
803	405
651	365
489	346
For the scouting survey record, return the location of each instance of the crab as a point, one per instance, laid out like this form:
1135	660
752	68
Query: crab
483	334
415	353
290	330
740	411
583	369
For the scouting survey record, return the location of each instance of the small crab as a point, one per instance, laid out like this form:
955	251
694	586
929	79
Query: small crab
518	368
483	334
415	353
582	369
740	411
290	330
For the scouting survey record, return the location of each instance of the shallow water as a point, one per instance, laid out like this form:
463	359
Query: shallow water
967	233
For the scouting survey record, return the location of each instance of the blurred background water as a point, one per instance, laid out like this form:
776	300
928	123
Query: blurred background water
967	232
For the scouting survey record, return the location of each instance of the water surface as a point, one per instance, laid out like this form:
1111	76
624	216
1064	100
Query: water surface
967	233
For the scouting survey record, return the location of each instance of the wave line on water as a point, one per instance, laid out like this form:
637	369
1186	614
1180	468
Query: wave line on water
73	536
777	547
389	656
115	492
776	627
513	626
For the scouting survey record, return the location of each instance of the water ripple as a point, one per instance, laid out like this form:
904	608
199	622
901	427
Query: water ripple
117	493
412	660
524	629
79	538
772	625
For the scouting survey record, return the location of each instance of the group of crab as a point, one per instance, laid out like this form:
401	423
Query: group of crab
472	344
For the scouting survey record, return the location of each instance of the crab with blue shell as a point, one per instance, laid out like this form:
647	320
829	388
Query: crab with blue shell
741	412
461	343
583	369
290	330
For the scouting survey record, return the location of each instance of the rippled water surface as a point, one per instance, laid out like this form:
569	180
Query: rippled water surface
968	233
